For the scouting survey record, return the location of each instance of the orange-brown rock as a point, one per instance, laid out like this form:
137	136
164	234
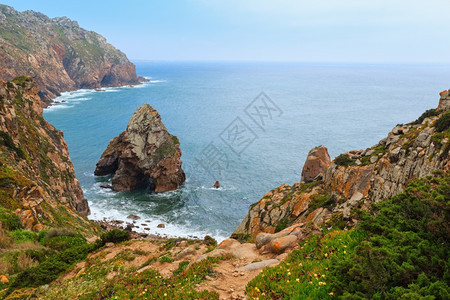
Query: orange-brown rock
357	179
315	164
145	155
38	178
59	54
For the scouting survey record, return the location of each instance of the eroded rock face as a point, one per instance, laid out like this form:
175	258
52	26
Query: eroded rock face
144	155
358	179
37	176
315	164
59	54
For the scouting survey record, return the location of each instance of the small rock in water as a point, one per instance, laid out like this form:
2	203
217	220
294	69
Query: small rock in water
106	186
146	228
133	217
161	226
216	184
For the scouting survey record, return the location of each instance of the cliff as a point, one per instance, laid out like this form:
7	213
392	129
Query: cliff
37	179
58	54
144	155
355	179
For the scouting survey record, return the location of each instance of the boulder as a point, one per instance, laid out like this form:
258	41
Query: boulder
260	265
216	184
280	244
315	164
145	155
228	244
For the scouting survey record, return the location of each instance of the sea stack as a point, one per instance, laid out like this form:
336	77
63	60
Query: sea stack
144	155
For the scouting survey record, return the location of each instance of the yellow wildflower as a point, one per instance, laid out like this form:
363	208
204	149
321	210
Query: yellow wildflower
323	275
331	294
298	280
326	254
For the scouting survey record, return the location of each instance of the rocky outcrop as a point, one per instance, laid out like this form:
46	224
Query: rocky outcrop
58	54
315	164
144	155
356	179
37	179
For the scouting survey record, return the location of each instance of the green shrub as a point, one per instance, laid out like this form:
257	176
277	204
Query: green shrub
21	236
343	160
407	252
428	113
443	123
10	221
113	236
165	259
51	268
209	241
63	242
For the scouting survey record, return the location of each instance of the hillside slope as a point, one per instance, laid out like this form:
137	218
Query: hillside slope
37	179
58	54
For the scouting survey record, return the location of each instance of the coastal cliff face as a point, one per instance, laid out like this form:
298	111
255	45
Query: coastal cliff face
58	54
144	155
356	179
37	179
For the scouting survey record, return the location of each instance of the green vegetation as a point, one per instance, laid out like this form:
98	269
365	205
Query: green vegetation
400	252
151	285
321	199
10	221
165	149
22	80
165	259
6	140
284	223
407	252
428	113
305	273
243	237
344	160
113	236
443	123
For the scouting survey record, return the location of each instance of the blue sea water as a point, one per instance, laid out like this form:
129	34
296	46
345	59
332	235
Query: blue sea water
341	106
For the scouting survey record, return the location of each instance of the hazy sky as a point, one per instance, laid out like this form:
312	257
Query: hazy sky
263	30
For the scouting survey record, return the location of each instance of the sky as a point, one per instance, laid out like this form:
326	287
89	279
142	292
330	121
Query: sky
378	31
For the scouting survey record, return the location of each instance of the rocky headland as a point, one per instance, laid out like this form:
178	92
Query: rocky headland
37	179
58	54
330	191
145	155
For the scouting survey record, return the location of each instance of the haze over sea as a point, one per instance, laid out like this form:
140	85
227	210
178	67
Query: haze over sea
341	106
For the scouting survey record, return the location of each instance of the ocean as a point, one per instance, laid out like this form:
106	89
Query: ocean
248	125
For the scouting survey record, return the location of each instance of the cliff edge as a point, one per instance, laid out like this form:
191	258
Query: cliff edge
58	54
37	178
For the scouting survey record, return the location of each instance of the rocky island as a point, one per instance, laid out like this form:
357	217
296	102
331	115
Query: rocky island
58	54
144	155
